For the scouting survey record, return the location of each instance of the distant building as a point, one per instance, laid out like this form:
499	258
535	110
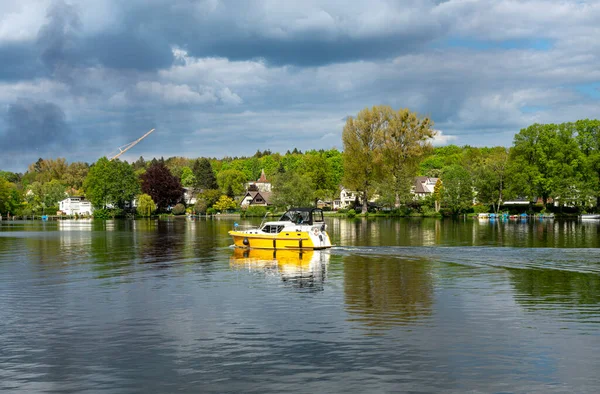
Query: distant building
253	198
75	205
261	185
188	196
423	186
346	200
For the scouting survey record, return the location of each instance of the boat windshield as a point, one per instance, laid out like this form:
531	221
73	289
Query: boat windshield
303	216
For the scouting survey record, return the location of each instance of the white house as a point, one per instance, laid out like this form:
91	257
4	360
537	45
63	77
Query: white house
347	199
261	185
188	196
424	186
76	205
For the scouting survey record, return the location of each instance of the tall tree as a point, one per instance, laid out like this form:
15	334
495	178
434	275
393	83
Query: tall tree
292	190
164	188
588	139
204	176
457	191
232	179
406	140
490	177
363	139
111	183
10	198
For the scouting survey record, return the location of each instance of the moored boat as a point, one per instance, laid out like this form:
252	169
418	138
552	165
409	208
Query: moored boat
588	216
298	228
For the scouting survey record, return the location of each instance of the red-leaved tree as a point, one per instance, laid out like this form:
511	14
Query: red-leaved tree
164	188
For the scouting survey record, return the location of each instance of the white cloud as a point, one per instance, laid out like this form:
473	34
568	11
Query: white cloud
440	139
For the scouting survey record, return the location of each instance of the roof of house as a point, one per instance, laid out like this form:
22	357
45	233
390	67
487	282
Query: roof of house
266	196
420	182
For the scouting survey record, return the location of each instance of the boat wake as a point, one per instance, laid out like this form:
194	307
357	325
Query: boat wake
583	260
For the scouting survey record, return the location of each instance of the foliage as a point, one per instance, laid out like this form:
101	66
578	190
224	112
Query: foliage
351	213
111	183
233	180
145	205
363	139
178	209
406	140
164	188
10	198
292	190
457	194
254	211
225	203
108	213
490	177
187	177
211	196
200	206
204	176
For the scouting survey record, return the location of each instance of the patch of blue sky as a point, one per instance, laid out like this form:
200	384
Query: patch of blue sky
591	90
540	44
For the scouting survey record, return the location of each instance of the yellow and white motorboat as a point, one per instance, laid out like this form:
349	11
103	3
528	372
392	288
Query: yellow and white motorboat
298	228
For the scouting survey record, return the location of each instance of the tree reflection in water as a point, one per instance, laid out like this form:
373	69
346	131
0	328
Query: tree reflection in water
383	291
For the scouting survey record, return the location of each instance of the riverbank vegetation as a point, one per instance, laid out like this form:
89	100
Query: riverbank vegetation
550	167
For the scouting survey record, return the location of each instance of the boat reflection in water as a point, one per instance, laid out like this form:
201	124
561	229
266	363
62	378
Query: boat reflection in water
306	269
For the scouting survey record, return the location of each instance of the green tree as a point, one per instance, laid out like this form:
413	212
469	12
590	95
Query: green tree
204	176
10	198
292	190
111	183
210	196
145	205
75	175
490	177
457	191
406	140
233	179
588	139
363	139
438	193
187	177
224	204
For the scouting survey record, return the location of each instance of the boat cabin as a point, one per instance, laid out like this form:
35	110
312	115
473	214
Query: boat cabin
308	216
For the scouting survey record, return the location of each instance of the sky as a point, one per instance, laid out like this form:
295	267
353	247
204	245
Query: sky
216	78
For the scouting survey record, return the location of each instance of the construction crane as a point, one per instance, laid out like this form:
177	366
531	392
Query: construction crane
130	145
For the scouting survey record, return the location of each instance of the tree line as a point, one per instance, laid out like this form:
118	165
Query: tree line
383	150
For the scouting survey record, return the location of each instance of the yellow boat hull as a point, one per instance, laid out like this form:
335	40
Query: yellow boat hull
283	240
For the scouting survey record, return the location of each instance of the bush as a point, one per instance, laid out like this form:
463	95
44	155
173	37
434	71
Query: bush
351	213
201	206
178	209
254	212
108	213
211	211
480	209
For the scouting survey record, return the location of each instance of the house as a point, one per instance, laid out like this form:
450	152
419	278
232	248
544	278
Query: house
424	186
261	185
256	198
188	196
76	205
346	200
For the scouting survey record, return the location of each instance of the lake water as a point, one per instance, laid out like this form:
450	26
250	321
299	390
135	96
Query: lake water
413	305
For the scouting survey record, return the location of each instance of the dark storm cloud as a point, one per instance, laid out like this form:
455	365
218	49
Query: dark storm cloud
58	40
35	125
19	62
130	50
